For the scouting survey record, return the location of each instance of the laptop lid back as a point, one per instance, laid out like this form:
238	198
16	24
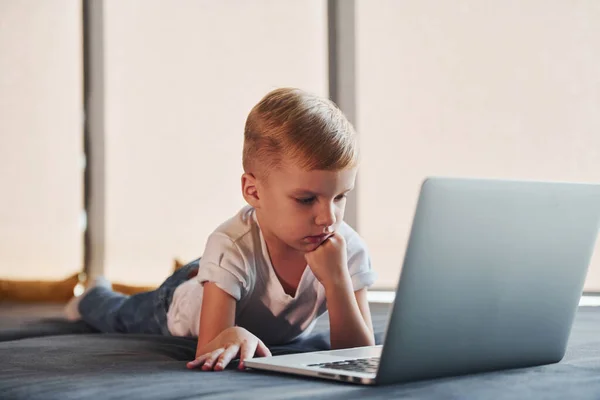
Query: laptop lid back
492	277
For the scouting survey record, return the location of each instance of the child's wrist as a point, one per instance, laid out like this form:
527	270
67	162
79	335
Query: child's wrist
338	282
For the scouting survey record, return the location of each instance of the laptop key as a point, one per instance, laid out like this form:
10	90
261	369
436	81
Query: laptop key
365	365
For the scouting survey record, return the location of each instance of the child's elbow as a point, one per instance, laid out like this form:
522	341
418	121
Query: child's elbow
371	340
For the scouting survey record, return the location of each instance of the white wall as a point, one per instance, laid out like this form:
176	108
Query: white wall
507	89
40	139
467	88
181	76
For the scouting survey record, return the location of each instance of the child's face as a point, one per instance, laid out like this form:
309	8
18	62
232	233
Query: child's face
302	208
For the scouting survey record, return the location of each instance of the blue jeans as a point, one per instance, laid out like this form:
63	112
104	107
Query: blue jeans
146	312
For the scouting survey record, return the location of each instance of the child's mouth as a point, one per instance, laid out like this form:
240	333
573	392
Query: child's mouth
318	238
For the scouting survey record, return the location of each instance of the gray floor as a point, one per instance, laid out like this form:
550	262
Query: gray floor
12	314
64	364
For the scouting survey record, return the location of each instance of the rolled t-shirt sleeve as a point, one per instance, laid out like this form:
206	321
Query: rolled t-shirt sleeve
359	263
223	264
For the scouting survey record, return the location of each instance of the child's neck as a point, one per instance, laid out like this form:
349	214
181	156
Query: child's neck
289	264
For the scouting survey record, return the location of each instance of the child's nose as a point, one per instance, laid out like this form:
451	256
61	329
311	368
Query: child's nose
326	216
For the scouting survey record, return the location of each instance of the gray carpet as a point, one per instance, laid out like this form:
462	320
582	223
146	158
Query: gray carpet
92	365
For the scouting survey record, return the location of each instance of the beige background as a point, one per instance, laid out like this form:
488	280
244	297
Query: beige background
40	138
467	88
505	89
180	80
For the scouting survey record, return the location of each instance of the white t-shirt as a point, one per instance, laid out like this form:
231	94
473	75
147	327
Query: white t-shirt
237	261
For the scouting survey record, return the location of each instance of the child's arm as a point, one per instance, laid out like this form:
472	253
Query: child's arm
217	314
219	341
349	314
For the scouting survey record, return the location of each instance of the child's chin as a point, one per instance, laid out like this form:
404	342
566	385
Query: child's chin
300	246
305	245
308	247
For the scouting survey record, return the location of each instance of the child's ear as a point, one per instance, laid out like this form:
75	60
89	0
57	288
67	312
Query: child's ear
250	190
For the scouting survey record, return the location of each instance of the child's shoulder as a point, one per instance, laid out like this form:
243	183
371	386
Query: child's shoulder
227	258
235	234
238	226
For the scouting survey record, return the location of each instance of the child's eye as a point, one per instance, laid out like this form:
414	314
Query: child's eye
307	200
340	197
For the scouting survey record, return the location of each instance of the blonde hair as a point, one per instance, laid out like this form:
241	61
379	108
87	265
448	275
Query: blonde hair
308	129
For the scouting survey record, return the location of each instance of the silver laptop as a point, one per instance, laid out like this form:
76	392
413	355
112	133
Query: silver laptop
491	279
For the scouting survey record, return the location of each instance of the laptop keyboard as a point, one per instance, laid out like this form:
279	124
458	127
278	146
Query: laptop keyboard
365	365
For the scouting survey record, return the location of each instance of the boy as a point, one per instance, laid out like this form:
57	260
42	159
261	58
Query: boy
267	273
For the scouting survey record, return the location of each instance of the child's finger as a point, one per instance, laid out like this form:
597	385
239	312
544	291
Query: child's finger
246	352
210	360
226	357
262	350
198	361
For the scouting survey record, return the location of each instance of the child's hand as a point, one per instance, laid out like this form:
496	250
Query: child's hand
329	261
227	345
